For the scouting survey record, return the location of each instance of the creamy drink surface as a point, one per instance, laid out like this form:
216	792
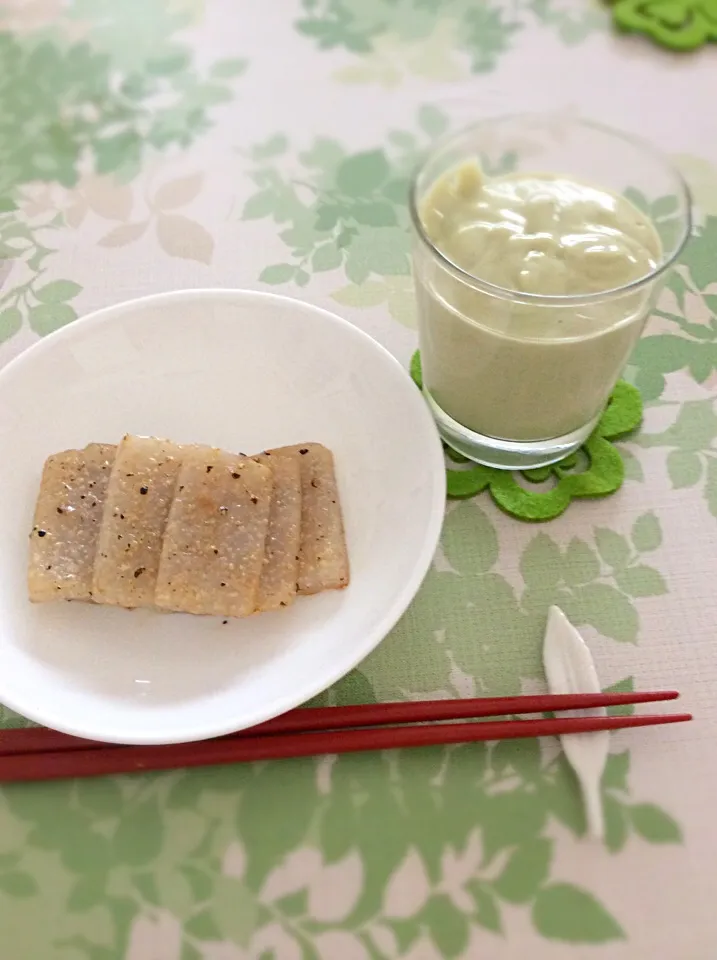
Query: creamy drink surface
528	370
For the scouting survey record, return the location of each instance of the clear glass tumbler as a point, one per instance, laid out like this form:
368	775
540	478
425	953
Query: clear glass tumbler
514	379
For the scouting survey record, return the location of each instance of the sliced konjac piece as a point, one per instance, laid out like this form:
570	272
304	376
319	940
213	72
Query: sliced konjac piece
213	549
323	558
139	496
67	522
277	585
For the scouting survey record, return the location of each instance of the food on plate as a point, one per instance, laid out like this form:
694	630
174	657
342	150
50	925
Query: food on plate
323	559
137	503
190	529
66	526
277	584
214	544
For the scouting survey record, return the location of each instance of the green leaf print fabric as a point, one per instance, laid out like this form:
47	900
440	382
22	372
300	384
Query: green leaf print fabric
158	144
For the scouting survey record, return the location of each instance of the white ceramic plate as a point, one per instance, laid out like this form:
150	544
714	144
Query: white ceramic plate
238	370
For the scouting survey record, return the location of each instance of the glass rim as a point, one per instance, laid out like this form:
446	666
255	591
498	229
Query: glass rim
540	299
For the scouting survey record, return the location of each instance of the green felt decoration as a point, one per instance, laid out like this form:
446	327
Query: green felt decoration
603	473
677	24
416	370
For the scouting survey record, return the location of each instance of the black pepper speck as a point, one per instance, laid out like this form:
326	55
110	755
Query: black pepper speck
303	452
60	510
144	490
255	500
138	572
42	533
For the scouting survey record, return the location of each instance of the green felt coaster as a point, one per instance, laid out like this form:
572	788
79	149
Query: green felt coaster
596	471
677	24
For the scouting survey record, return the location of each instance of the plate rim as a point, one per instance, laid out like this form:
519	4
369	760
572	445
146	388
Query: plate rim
435	469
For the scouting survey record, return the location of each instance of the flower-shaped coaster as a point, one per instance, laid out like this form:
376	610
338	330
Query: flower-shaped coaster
596	470
677	24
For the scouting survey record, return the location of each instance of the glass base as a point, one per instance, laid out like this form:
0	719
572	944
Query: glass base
506	454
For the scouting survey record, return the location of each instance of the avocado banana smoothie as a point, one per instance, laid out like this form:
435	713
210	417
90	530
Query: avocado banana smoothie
530	301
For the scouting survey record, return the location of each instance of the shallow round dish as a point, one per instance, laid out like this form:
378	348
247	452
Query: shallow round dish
242	371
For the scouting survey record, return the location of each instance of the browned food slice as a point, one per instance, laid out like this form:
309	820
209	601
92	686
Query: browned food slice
277	586
67	521
137	504
323	559
213	548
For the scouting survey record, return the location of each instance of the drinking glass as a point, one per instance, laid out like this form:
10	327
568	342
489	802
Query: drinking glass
514	379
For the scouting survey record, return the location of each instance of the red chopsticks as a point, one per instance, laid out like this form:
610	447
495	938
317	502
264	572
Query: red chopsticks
41	754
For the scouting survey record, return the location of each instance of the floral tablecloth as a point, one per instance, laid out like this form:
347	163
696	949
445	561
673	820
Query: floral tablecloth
150	145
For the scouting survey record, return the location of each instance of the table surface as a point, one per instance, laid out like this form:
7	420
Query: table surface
158	144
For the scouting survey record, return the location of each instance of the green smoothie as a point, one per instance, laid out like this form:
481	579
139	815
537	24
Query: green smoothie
503	363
